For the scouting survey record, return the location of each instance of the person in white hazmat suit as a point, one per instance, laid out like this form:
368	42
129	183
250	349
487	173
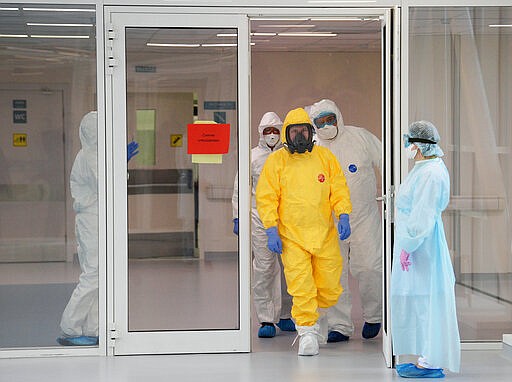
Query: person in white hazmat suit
79	322
272	302
359	154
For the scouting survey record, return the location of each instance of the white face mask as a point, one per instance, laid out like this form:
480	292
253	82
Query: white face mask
327	132
271	139
410	152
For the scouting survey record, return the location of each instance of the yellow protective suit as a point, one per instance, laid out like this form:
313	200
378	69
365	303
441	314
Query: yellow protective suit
298	193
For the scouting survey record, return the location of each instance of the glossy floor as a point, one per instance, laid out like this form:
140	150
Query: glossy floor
273	360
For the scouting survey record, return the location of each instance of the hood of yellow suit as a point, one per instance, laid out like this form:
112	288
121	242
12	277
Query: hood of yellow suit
294	117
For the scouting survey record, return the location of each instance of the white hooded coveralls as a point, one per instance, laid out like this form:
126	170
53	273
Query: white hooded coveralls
270	297
80	317
359	153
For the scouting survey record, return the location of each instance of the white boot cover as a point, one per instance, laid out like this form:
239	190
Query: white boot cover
323	326
308	339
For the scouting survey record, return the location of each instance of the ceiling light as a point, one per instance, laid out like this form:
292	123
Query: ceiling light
271	19
500	26
339	1
57	36
337	19
12	35
59	9
58	25
263	34
299	34
174	45
285	26
9	9
227	35
215	45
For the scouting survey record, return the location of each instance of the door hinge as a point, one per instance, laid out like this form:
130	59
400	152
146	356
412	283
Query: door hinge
111	61
113	334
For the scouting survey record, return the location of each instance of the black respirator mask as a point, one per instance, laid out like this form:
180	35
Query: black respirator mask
300	143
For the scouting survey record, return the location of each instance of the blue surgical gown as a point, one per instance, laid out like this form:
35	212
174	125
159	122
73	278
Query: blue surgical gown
423	312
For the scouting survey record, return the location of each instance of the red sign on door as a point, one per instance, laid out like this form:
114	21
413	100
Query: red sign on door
210	138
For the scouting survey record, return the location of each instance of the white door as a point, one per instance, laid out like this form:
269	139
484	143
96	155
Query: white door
391	166
181	277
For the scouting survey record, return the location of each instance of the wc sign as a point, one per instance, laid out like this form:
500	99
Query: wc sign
19	116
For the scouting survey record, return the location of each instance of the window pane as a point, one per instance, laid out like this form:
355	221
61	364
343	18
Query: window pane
461	79
182	253
48	72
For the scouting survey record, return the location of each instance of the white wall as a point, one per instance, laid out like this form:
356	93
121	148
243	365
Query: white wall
282	81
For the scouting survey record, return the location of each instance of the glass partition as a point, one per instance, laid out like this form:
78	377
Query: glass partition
47	84
183	264
460	77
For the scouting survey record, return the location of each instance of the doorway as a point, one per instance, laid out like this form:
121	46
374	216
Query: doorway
297	61
206	55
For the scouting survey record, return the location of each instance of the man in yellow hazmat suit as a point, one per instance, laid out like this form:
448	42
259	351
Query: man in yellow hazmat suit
300	187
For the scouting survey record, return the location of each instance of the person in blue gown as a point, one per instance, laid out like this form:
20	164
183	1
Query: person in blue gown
423	311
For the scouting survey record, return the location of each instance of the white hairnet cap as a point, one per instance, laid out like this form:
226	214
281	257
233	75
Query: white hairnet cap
426	130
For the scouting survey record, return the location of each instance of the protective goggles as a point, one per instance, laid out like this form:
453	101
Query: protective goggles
327	119
271	130
409	140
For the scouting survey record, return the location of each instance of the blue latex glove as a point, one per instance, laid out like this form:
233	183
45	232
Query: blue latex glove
274	241
132	149
344	227
235	226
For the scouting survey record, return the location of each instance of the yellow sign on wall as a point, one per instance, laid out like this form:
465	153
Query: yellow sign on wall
19	140
176	140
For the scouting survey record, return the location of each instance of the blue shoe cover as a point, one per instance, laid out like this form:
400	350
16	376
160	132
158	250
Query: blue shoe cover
412	371
370	330
78	341
286	325
267	331
401	366
336	337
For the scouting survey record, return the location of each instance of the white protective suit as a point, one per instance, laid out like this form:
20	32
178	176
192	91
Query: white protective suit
359	153
80	318
270	297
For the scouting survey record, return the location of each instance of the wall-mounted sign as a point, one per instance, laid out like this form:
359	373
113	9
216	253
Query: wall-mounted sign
19	116
19	103
19	140
145	69
219	105
211	138
219	116
176	140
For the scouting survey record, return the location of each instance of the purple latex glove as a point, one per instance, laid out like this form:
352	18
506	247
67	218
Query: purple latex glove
404	260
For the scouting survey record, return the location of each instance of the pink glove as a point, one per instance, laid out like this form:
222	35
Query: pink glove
404	260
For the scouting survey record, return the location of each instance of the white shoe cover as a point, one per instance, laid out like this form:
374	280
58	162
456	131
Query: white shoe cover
323	327
308	339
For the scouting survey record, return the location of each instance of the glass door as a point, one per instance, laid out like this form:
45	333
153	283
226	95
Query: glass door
179	92
391	151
